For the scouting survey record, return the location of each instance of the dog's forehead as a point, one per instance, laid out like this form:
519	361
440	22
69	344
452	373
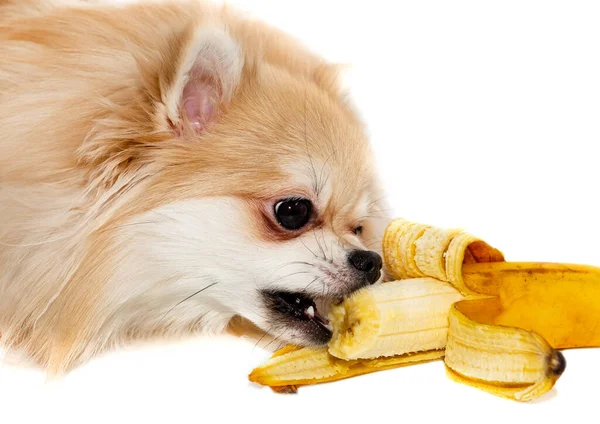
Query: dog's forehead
334	163
339	186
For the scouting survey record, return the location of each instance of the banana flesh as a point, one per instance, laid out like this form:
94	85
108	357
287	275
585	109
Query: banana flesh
503	322
393	319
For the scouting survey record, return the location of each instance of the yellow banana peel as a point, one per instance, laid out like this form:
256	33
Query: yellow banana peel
291	367
496	324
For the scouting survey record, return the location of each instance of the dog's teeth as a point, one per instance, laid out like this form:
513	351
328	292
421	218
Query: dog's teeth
310	311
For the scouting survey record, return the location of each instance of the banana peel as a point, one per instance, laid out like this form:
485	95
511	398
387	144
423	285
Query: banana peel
292	367
502	336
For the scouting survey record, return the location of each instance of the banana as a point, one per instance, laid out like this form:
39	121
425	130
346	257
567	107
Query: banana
429	251
400	236
292	366
499	322
412	250
380	327
508	362
393	319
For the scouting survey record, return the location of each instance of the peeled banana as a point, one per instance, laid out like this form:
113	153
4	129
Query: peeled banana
499	322
393	319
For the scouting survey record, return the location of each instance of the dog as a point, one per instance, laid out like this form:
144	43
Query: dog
168	166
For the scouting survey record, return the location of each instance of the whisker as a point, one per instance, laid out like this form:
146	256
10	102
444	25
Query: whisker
280	345
295	263
319	244
286	276
340	243
306	288
370	245
187	298
262	337
302	241
292	263
325	243
276	338
374	239
322	184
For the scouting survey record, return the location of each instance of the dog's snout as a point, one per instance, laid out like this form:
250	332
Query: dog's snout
367	262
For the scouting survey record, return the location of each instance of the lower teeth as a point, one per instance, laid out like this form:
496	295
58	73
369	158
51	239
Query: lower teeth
310	312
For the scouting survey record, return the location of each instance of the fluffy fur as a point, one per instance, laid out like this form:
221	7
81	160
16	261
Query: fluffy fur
142	151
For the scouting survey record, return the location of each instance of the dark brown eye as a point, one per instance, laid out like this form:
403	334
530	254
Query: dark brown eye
293	214
358	230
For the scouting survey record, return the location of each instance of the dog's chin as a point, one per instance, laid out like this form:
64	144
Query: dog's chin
300	317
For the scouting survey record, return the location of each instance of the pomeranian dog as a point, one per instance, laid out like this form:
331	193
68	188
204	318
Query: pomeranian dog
167	166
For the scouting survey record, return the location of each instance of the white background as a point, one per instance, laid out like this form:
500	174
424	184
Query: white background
484	115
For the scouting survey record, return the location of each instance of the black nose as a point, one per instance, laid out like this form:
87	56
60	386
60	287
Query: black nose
368	263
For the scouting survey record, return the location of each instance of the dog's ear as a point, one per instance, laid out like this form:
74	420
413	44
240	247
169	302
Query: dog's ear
198	79
183	76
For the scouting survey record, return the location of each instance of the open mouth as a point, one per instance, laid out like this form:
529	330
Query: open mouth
302	311
302	307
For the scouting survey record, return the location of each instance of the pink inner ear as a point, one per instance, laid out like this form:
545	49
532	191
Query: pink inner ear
198	103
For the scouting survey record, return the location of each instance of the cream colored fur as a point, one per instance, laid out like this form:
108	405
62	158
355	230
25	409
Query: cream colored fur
113	210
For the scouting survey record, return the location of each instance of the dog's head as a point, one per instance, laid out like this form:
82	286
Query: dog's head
226	174
264	203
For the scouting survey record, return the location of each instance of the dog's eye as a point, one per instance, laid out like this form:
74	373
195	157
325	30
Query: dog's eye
293	214
358	230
